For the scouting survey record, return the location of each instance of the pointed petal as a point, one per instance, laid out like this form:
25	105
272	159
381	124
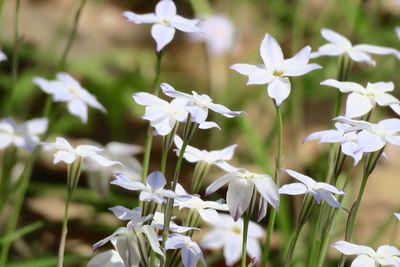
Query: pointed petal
267	189
363	261
328	50
361	57
329	198
357	105
163	35
293	189
347	248
369	142
256	74
271	53
279	90
386	100
238	197
147	99
232	249
308	181
127	247
298	70
335	38
138	19
65	156
104	161
209	215
378	50
253	249
220	182
185	25
344	87
125	182
78	108
153	240
123	213
156	180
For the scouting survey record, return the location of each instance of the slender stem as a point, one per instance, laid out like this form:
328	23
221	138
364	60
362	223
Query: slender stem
246	220
64	230
292	245
272	217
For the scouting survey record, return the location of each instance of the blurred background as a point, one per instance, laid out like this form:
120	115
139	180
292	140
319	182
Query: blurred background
113	58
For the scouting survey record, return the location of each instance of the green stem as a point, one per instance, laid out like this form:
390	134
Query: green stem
292	245
246	220
272	217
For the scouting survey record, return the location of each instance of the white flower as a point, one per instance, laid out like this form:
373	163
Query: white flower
218	34
109	258
3	56
152	191
190	250
162	115
24	135
339	45
165	22
158	223
228	235
240	190
397	215
216	157
386	255
373	137
198	106
276	70
397	29
320	191
67	89
348	140
206	209
68	154
363	99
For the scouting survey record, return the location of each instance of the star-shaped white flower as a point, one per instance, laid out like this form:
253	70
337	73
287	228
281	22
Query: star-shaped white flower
320	191
240	190
162	115
228	234
276	70
24	135
339	45
198	106
373	137
190	250
216	157
386	255
67	89
348	140
165	21
362	100
68	154
153	190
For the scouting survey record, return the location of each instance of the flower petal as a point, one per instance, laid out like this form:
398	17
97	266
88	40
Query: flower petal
232	249
357	105
78	108
348	248
163	35
335	38
271	53
238	197
156	180
308	181
267	189
65	156
220	182
256	74
125	182
293	189
185	25
165	8
138	19
344	87
279	90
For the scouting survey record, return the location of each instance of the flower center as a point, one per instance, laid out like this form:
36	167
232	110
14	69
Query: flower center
165	22
237	230
278	73
73	91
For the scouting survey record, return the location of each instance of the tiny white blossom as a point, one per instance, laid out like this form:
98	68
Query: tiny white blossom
3	56
24	135
320	191
68	154
162	115
165	21
198	106
190	250
362	100
67	89
348	140
339	45
386	255
241	184
228	234
276	70
216	157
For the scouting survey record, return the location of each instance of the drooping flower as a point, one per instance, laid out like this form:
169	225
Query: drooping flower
67	89
386	255
162	115
320	191
190	250
198	106
206	209
165	21
276	70
339	45
348	140
362	100
68	154
24	135
241	184
228	234
216	157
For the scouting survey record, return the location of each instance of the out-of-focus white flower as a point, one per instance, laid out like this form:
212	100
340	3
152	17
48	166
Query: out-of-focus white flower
67	89
218	34
24	135
397	29
206	209
3	56
397	215
165	22
190	250
362	100
320	191
348	140
216	157
339	45
386	255
276	70
99	176
162	115
68	154
228	234
240	190
198	106
373	137
152	191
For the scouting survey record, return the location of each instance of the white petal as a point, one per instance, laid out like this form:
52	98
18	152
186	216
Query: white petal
329	198
171	92
127	246
395	108
152	238
199	114
125	182
271	53
108	238
308	181
267	189
389	261
253	249
36	126
256	74
3	56
208	125
123	213
49	87
298	70
185	25
190	259
224	110
347	248
238	197
369	142
138	19
363	261
335	38
386	100
279	90
209	215
232	249
91	101
109	258
223	154
78	108
344	87
293	189
5	140
65	156
392	125
374	49
328	50
388	250
156	180
357	105
361	57
104	161
165	8
147	99
163	35
213	239
220	182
